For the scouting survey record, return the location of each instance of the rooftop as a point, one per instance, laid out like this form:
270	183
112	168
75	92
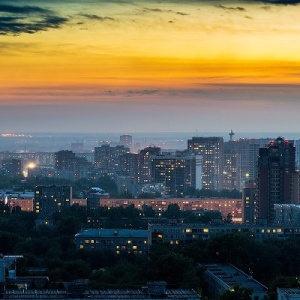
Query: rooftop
113	233
232	276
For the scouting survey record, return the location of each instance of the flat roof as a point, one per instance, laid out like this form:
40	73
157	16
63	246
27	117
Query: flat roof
137	233
232	276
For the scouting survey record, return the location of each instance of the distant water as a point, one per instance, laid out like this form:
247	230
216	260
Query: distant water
50	142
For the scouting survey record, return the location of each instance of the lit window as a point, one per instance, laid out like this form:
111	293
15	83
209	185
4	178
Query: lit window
206	230
81	246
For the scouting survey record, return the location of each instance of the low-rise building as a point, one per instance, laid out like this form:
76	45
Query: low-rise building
224	205
117	240
153	290
288	294
223	277
186	233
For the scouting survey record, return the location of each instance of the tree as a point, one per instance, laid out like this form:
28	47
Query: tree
173	211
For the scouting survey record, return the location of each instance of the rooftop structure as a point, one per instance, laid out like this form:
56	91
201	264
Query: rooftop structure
288	294
154	290
223	277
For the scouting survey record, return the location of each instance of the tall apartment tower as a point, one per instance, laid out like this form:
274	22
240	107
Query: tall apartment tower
126	140
177	172
249	203
63	159
211	150
51	199
276	168
107	157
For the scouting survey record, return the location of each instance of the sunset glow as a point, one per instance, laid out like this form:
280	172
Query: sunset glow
119	56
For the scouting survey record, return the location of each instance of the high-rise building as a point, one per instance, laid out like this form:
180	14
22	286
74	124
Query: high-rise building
12	167
249	203
231	164
240	161
177	172
63	159
276	166
76	167
126	140
145	163
211	150
108	158
51	199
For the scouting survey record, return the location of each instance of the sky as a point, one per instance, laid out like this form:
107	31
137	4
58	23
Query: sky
149	66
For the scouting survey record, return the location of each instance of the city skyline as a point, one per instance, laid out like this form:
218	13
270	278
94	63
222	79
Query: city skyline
147	66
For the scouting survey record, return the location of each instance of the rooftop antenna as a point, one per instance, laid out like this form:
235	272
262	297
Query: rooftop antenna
231	134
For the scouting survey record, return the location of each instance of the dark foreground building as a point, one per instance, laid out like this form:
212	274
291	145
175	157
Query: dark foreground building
153	290
276	166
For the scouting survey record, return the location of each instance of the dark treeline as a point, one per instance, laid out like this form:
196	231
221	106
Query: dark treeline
52	249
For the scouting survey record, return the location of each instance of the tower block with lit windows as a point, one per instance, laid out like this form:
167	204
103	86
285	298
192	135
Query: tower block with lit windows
211	151
276	168
51	199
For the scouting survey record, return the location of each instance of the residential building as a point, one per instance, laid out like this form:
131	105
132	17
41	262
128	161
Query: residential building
117	240
276	164
225	277
288	294
94	196
249	203
12	167
108	158
224	205
287	214
153	291
51	199
77	167
185	233
126	140
211	151
177	172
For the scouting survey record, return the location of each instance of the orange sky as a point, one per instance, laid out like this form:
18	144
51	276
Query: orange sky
102	53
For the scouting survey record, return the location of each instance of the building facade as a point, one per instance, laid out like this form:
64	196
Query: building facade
211	151
51	199
177	172
276	164
116	240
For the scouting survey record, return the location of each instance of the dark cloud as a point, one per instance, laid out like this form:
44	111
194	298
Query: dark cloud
23	9
282	2
181	13
96	17
158	10
15	20
238	8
